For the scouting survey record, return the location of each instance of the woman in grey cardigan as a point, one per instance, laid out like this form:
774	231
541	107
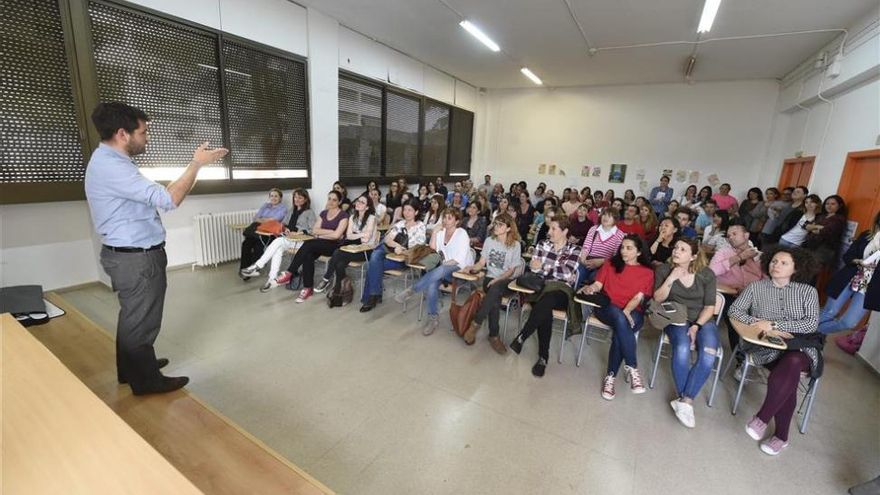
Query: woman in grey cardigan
302	218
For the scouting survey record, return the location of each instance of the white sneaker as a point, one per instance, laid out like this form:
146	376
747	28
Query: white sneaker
635	380
251	271
433	323
608	387
684	412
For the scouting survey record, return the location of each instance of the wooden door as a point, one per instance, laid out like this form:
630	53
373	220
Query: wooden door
796	172
860	187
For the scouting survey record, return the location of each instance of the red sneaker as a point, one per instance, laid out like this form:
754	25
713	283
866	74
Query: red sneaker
283	278
304	294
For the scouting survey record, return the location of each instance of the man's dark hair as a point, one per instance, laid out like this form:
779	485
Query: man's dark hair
686	211
111	116
737	222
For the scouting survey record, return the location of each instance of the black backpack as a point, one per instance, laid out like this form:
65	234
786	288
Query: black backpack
342	293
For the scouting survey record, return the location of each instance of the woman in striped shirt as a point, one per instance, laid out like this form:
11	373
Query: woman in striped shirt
556	260
602	242
782	306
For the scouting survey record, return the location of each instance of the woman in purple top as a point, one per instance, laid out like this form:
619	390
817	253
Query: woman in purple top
253	244
328	232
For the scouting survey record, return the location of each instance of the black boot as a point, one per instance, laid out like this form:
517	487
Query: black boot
516	345
371	303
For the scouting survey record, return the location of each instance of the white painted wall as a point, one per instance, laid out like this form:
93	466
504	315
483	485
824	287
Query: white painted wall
717	127
54	244
852	125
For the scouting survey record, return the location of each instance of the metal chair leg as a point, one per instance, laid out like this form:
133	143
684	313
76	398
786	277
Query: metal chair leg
656	361
719	359
583	338
564	336
739	390
730	361
811	396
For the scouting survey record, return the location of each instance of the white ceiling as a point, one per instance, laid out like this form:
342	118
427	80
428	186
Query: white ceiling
542	35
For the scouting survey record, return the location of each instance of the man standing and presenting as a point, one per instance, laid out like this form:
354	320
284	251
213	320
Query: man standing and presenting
661	196
123	205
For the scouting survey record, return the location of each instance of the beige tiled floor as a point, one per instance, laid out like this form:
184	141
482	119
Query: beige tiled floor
366	404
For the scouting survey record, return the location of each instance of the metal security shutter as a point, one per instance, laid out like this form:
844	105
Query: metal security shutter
460	142
435	146
267	101
167	69
360	129
39	131
402	134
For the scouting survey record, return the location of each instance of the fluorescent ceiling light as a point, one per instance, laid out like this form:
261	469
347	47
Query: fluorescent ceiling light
710	8
476	33
531	75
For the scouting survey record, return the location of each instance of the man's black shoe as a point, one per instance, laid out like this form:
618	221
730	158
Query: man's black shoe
167	384
161	363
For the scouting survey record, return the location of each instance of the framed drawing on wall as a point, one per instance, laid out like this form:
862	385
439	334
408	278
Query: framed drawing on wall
617	175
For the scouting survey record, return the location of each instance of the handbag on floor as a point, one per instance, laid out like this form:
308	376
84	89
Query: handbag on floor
462	315
296	282
342	293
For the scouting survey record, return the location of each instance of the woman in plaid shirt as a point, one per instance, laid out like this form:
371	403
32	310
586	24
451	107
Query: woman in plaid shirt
556	260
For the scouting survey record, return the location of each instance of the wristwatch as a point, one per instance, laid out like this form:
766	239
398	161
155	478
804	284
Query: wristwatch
774	325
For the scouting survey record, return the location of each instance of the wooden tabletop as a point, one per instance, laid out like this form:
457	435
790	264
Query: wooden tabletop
356	248
395	257
578	300
238	226
300	237
516	288
470	277
750	333
59	437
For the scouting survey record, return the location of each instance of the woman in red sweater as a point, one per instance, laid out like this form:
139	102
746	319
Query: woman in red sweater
628	281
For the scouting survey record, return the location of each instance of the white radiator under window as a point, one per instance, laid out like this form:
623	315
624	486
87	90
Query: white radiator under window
218	236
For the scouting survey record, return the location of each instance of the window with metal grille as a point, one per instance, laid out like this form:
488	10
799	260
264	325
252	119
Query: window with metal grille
169	70
435	146
39	127
461	138
360	129
268	124
401	134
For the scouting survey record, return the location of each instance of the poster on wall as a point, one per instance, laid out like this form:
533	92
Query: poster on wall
681	176
585	171
643	187
694	177
667	172
617	175
542	169
552	169
714	181
640	174
597	171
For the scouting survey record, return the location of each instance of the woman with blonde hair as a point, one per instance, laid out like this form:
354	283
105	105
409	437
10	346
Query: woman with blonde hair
502	258
687	280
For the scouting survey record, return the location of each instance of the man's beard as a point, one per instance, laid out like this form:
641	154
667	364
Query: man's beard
135	149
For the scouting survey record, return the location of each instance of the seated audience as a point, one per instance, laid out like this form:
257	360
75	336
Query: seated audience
398	212
525	215
341	189
825	235
689	199
392	199
363	231
328	232
252	246
776	207
791	214
572	201
704	219
704	195
628	281
475	224
715	235
452	242
549	214
434	215
580	225
753	212
630	223
380	210
649	221
602	242
687	280
667	234
302	217
556	260
683	215
502	259
629	197
671	209
854	283
403	235
782	306
724	200
797	234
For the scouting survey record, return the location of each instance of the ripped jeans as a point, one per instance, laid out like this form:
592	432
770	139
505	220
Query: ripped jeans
690	379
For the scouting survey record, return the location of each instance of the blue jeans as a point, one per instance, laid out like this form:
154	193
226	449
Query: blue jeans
623	338
828	323
783	242
430	284
689	380
585	275
376	271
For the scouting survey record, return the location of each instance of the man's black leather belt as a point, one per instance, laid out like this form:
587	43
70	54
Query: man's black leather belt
134	249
